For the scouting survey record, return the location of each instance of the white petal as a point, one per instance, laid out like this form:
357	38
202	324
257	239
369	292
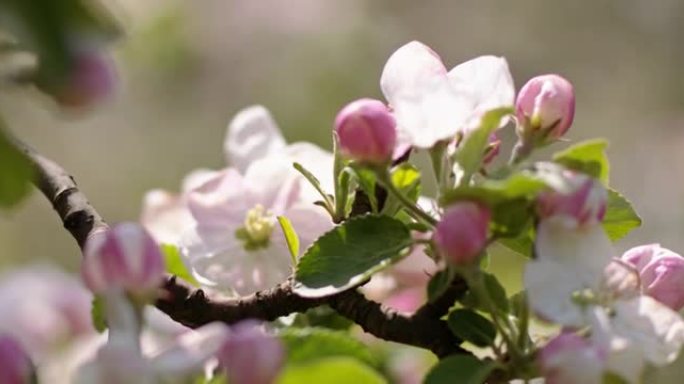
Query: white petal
487	81
191	351
221	201
550	286
588	247
251	135
427	108
651	326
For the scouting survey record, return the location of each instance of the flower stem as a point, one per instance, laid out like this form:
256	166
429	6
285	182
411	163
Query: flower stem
386	182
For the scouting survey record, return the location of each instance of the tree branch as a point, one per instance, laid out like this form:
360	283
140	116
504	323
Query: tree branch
193	307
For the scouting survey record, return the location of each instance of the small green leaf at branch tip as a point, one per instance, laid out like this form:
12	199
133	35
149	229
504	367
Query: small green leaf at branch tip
406	179
471	151
316	184
97	314
330	370
307	344
291	238
367	180
587	157
175	265
471	327
350	254
620	217
462	369
16	173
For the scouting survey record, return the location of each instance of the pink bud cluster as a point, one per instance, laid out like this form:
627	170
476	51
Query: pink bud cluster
461	234
366	131
250	356
545	108
90	80
15	365
581	202
124	257
661	273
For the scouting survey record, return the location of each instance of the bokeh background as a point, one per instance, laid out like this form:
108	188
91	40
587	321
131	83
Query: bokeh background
186	67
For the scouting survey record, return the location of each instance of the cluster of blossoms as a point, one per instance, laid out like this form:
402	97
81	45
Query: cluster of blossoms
239	230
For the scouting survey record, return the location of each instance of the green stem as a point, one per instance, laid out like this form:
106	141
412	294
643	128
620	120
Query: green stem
411	207
521	151
341	181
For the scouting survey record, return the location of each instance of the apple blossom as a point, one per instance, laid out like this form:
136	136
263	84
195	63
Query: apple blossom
366	131
578	200
431	104
15	365
123	257
461	234
91	79
571	359
250	356
545	108
661	273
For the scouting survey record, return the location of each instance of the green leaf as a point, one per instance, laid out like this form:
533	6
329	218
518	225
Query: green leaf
97	314
322	317
472	327
620	218
613	378
522	244
496	291
511	218
291	237
367	181
16	173
332	370
406	178
306	344
439	283
461	369
349	254
520	185
471	151
588	157
327	203
174	264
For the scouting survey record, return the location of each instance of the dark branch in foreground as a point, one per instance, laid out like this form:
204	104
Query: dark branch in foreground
193	308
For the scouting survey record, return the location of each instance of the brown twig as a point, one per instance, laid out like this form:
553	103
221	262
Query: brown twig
193	308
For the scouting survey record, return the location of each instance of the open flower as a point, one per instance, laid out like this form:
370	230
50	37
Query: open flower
432	104
225	221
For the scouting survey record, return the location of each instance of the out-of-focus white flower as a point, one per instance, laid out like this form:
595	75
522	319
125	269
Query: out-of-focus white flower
225	221
43	308
431	104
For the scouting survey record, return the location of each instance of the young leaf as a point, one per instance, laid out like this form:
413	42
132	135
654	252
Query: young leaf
367	181
306	344
331	370
522	244
16	173
496	291
518	186
462	369
174	264
439	283
349	254
588	157
291	238
97	314
472	327
620	216
472	150
406	178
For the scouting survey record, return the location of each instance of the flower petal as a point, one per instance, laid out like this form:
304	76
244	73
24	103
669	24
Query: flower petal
426	106
165	216
487	81
251	135
191	351
587	247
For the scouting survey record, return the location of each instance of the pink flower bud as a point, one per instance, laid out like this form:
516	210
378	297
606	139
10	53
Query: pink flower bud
123	257
366	131
581	200
661	272
15	366
90	80
461	234
250	356
546	107
571	359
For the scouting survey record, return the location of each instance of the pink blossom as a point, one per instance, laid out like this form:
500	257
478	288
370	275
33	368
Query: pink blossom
571	359
123	257
461	234
579	200
366	131
431	104
545	106
250	356
661	273
15	365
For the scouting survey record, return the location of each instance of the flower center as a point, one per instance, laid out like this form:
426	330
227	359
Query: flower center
257	229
